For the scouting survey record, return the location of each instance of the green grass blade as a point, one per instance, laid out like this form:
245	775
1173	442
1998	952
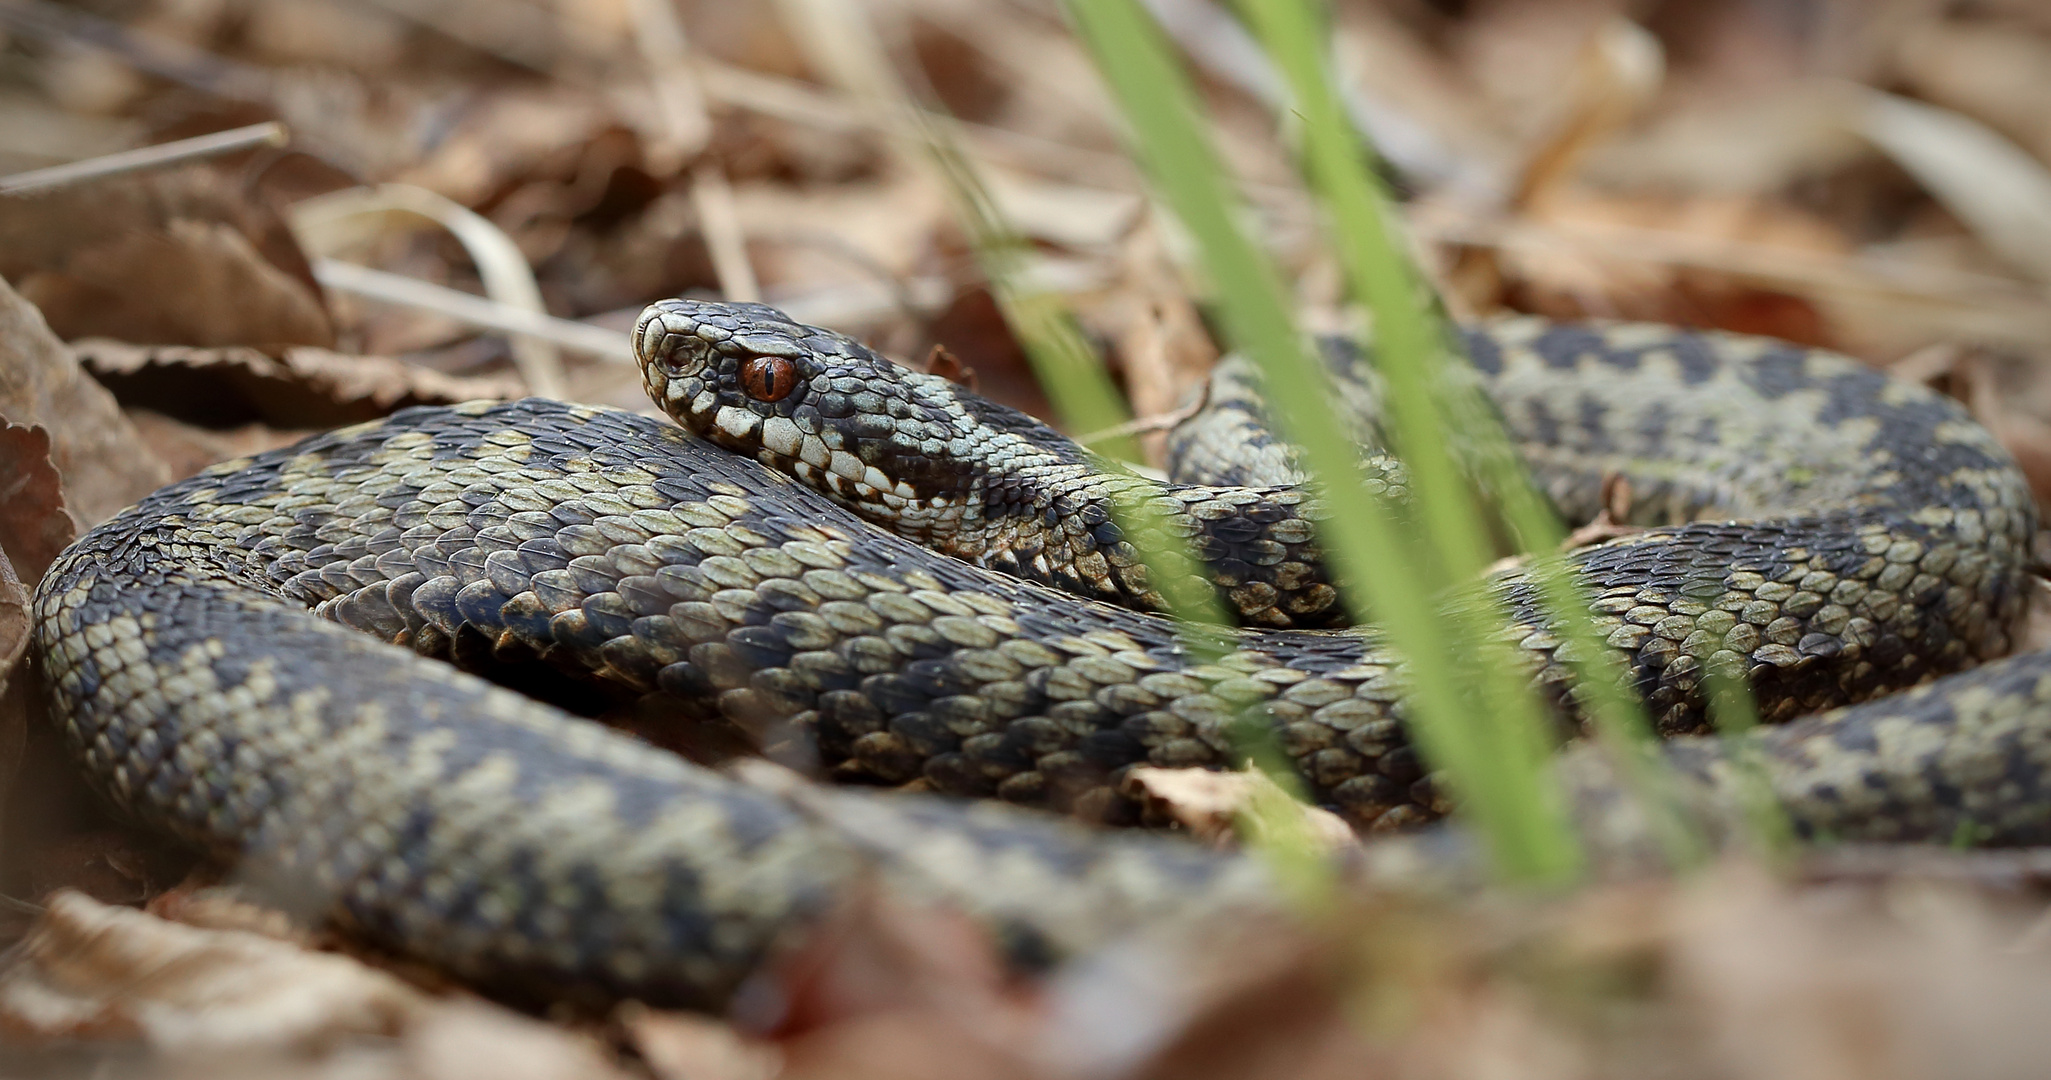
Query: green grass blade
1414	350
1498	768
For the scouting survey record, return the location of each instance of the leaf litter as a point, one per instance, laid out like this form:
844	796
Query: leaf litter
1709	164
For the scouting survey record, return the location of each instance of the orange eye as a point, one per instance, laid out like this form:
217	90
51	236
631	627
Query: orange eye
768	378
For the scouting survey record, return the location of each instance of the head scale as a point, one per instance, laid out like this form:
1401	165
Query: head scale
809	402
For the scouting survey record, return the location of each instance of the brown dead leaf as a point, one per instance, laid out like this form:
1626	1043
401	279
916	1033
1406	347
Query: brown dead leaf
1985	181
194	283
205	906
1910	980
510	135
1164	351
876	955
1249	999
949	366
1609	523
185	448
14	696
907	1045
300	387
459	1040
974	330
1569	282
179	257
886	990
14	618
92	973
1972	376
683	1046
34	526
94	447
1064	214
1213	805
89	970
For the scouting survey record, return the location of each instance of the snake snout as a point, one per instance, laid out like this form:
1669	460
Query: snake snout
676	344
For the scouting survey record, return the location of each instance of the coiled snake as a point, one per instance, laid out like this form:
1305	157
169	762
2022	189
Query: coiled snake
238	660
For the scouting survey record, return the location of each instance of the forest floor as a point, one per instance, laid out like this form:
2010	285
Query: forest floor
1873	178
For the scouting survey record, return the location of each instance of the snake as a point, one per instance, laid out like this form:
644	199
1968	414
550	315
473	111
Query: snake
302	662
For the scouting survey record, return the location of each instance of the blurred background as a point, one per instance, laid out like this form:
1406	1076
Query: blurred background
1863	174
474	198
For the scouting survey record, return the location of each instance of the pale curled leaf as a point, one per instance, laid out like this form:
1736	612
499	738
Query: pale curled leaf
501	267
1988	181
685	1046
1986	70
890	989
1217	806
464	1039
94	971
90	970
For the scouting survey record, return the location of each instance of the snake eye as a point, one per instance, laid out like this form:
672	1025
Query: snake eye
768	378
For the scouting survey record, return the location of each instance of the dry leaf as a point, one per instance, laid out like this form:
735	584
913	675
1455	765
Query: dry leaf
1572	282
974	330
1164	351
887	990
14	696
1248	999
291	388
459	1040
1926	982
212	907
910	1045
178	257
1989	70
89	970
877	954
15	621
34	526
682	1046
1212	805
194	283
505	136
1989	182
325	224
185	448
949	366
1065	214
94	447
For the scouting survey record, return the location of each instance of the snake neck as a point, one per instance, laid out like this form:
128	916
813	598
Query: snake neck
1011	493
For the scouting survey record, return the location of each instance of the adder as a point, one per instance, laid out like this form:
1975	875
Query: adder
246	660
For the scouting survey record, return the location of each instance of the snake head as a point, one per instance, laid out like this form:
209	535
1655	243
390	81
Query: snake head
895	445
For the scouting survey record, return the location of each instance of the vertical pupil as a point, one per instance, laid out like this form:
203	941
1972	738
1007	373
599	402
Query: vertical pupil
765	379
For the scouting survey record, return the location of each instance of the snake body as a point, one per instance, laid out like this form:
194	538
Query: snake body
239	659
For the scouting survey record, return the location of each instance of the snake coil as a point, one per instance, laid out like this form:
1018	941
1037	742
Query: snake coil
241	659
